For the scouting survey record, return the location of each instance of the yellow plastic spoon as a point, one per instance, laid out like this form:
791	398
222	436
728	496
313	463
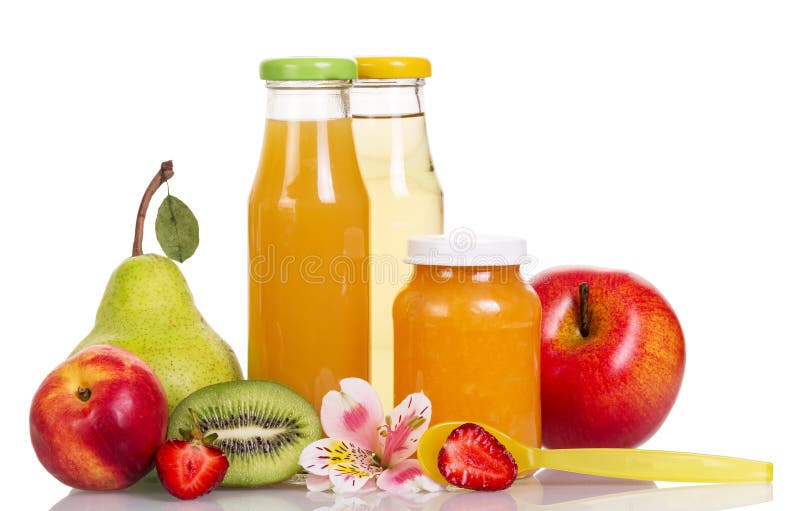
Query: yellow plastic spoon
624	463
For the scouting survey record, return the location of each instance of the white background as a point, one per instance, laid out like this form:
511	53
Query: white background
657	137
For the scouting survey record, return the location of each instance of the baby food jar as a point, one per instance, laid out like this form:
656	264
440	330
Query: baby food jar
467	332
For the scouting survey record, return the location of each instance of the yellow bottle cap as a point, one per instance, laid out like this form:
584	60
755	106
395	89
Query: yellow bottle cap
393	67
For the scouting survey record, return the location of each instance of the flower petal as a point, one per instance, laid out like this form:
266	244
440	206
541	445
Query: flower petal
406	477
353	414
408	422
370	486
315	457
318	483
349	479
351	467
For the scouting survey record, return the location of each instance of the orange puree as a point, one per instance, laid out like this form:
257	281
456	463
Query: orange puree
468	336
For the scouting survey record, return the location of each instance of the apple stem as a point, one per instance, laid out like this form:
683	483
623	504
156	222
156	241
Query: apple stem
84	394
583	291
164	173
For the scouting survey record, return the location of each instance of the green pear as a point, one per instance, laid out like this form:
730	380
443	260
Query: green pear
148	310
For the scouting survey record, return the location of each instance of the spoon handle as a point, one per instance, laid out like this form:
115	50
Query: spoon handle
655	465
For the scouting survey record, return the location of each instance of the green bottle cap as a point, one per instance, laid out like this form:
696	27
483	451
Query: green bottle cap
308	69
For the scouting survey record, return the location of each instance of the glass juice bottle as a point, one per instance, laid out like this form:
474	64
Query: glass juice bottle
392	148
308	233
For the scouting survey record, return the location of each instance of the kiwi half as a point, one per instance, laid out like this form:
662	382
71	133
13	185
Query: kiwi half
261	426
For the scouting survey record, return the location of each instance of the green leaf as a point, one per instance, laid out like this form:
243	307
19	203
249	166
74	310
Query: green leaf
176	229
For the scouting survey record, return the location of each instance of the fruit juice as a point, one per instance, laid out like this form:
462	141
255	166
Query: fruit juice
405	197
406	200
468	336
309	293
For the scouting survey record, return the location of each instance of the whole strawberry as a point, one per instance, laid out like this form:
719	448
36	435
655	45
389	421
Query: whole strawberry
192	467
473	458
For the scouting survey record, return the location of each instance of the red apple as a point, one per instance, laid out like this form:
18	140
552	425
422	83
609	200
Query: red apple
97	420
610	375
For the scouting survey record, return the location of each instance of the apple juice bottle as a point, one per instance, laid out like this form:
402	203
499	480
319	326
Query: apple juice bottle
393	155
308	233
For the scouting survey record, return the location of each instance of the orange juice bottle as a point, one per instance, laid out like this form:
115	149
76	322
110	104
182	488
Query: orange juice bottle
467	333
308	233
393	154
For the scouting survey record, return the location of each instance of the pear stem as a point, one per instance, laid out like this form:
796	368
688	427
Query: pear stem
164	173
583	291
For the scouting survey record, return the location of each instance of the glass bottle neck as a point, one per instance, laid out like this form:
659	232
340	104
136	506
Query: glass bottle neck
388	98
307	100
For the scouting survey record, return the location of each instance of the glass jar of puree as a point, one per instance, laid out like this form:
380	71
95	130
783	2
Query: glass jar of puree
467	332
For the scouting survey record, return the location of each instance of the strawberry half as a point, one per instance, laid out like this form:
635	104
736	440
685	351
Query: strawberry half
190	468
474	459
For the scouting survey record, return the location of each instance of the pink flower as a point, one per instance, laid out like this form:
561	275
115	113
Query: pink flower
364	448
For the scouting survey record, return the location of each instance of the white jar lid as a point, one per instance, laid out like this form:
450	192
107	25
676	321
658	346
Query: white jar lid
462	247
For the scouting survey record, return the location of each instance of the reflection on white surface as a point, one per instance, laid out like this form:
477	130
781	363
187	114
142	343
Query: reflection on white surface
556	486
549	490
